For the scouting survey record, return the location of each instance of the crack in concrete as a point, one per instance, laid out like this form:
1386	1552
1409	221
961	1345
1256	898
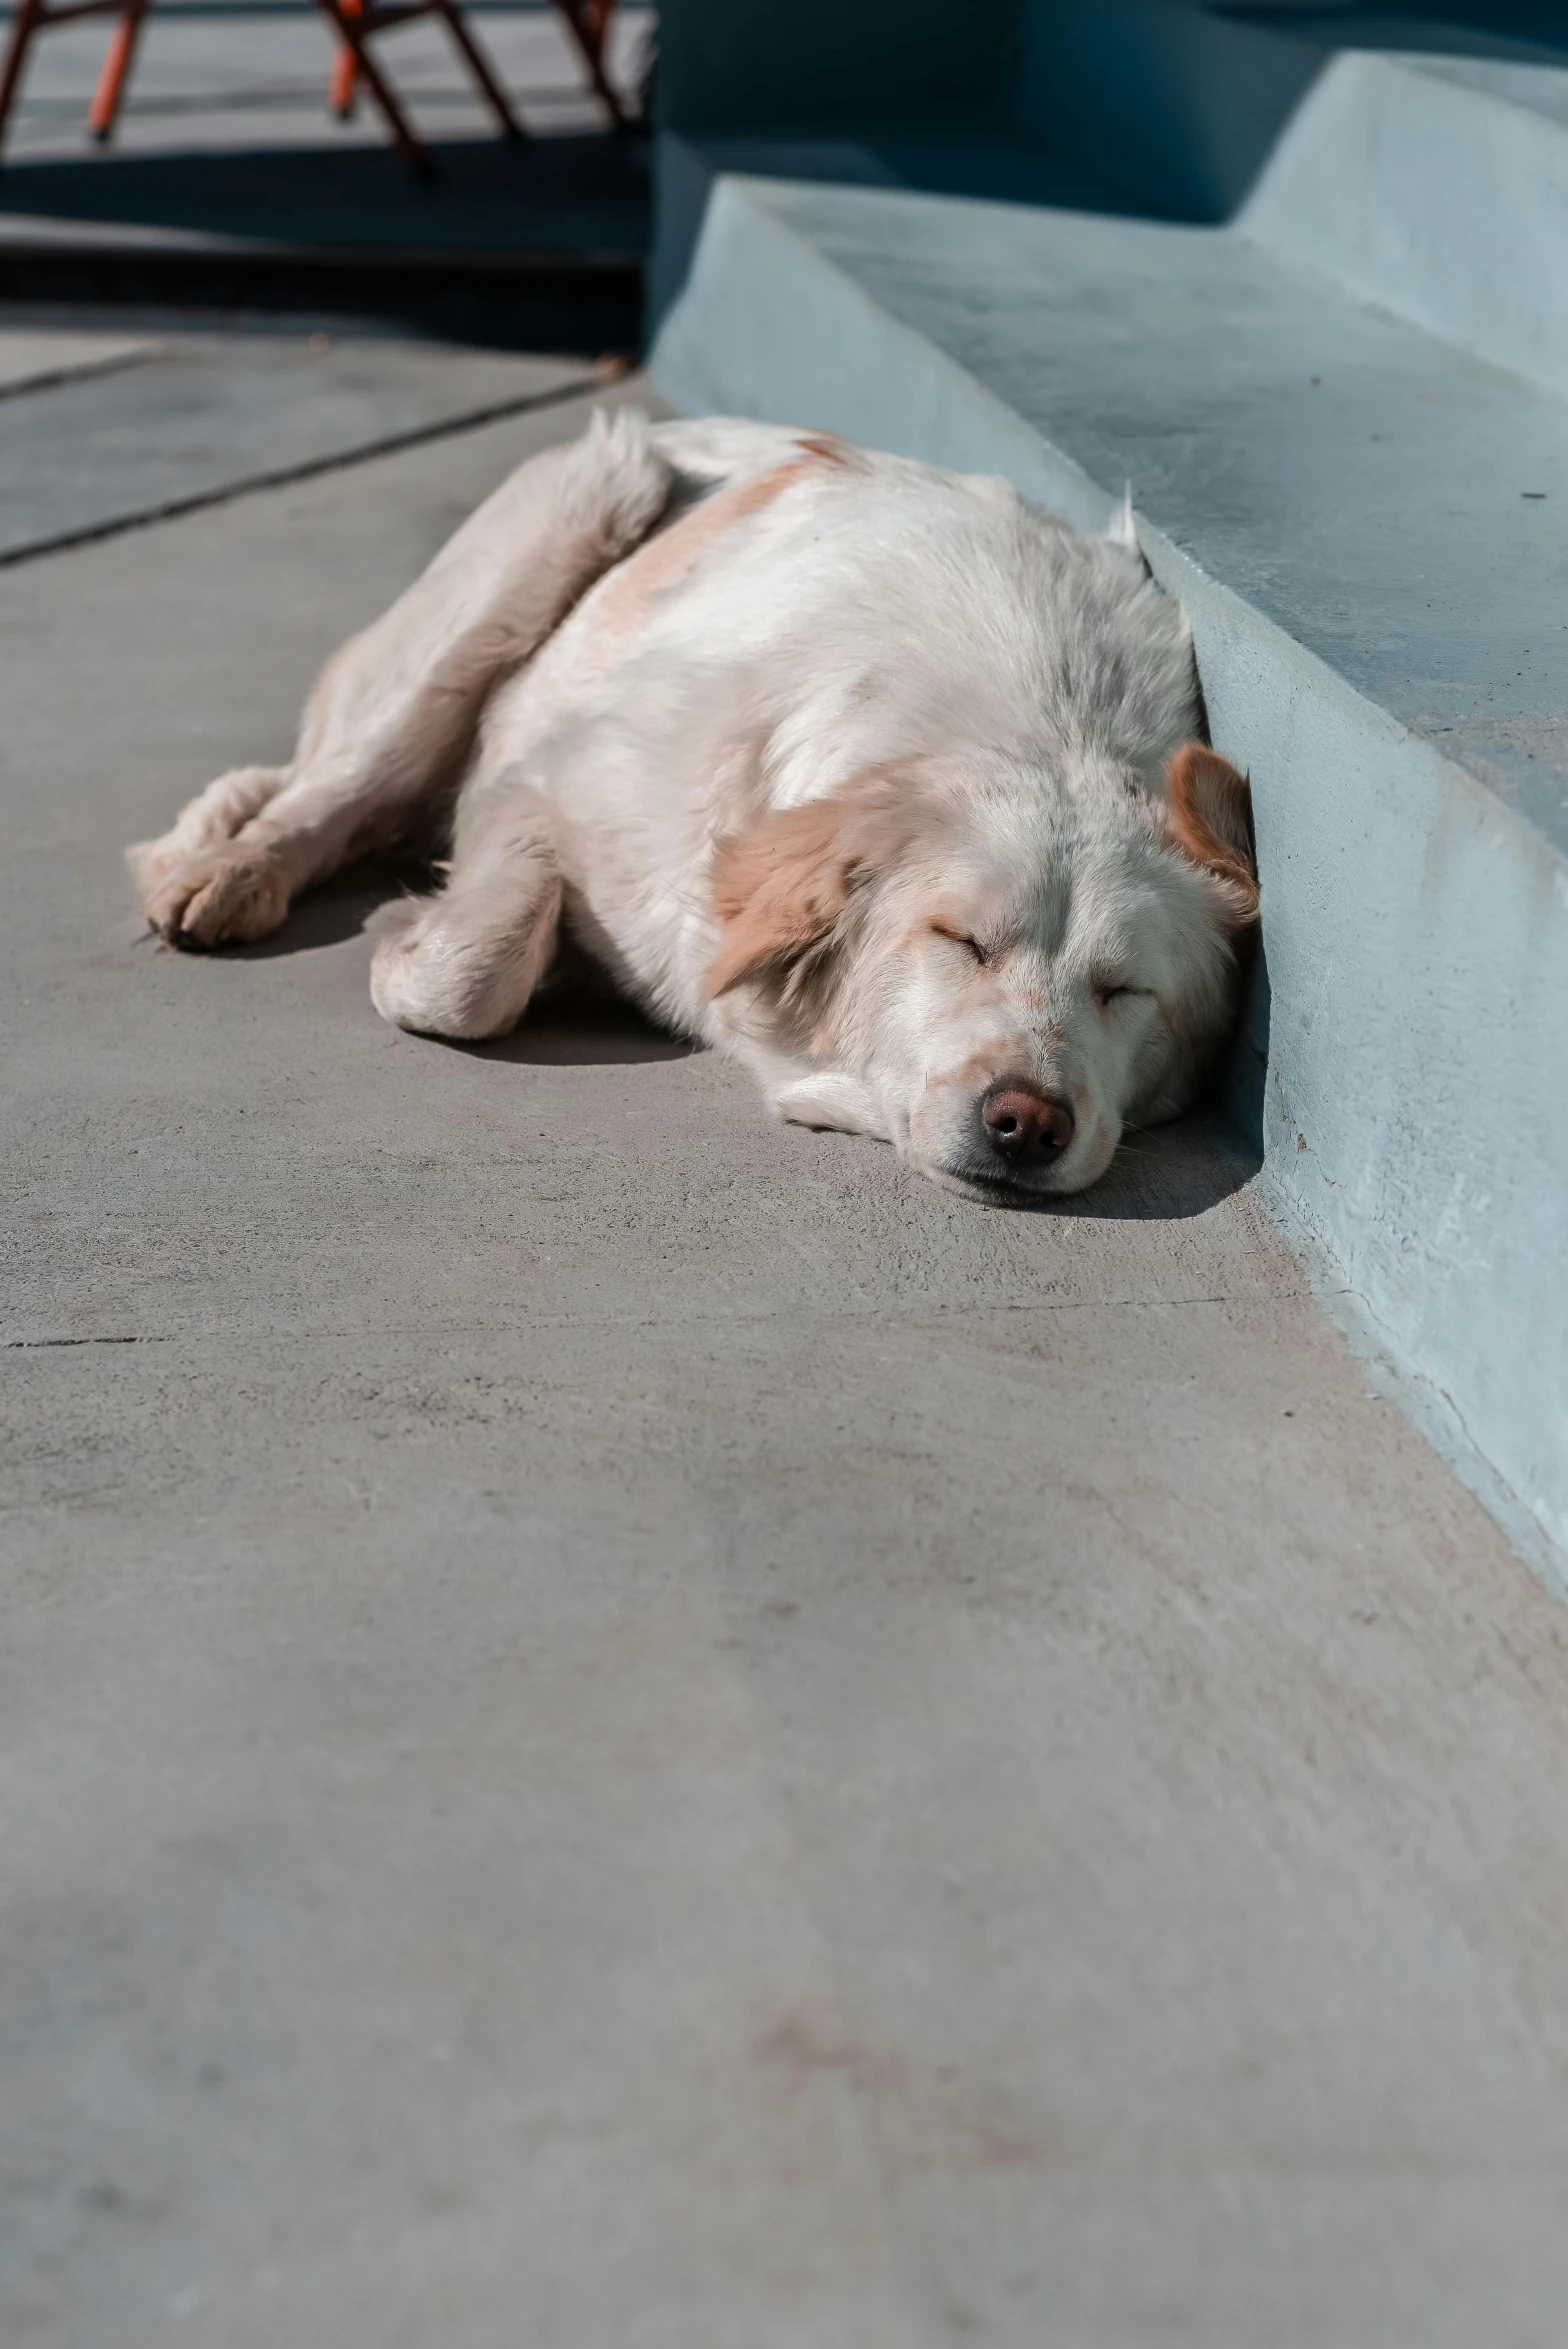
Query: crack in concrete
25	1345
311	468
441	1332
77	371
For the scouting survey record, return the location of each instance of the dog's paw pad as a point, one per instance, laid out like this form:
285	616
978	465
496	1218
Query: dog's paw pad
219	897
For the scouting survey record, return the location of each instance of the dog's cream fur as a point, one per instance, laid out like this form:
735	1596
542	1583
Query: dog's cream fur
867	773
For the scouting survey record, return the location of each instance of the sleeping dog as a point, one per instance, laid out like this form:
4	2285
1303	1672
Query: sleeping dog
870	774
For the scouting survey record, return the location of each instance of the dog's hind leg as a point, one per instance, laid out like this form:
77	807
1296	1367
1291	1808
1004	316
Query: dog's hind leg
388	730
464	963
200	839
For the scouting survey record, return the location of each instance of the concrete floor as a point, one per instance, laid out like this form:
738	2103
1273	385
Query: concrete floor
137	428
622	1726
226	74
225	144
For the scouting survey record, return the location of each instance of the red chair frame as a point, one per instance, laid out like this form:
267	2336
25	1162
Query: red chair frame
588	22
356	22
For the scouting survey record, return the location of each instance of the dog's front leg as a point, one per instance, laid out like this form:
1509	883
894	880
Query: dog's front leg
464	963
834	1102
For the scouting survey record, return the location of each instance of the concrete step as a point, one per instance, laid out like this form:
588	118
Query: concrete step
1437	186
1365	522
1425	164
1434	184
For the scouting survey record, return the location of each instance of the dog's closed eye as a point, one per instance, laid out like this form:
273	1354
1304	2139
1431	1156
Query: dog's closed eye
1107	989
971	946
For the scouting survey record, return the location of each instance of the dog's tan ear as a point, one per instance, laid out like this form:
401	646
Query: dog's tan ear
1209	805
780	889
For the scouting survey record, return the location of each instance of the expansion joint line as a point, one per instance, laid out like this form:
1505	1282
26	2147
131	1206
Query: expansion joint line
310	468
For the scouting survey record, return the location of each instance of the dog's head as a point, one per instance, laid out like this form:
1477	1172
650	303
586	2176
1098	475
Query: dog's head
1011	964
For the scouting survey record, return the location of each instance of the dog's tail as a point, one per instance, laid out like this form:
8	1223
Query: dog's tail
492	595
554	526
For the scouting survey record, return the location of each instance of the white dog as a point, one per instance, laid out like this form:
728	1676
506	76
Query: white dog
867	773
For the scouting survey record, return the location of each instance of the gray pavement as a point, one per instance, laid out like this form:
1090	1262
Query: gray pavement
223	74
622	1726
137	428
226	148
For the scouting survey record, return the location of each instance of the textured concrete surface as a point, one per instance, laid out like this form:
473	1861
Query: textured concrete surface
621	1725
1438	187
1357	516
205	413
33	357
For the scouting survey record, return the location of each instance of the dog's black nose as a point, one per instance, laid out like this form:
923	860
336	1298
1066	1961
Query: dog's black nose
1024	1127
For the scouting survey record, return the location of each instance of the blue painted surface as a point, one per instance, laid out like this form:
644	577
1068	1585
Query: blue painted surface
1383	637
1185	101
1438	186
769	68
1187	104
1175	104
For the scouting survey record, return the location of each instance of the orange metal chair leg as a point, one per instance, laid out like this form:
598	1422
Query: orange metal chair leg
357	20
409	146
29	16
104	111
588	22
479	67
340	97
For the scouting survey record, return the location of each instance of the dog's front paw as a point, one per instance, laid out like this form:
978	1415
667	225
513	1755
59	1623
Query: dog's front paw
225	895
832	1102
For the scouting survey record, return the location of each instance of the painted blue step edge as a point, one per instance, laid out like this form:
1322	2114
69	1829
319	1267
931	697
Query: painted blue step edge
1438	187
1413	925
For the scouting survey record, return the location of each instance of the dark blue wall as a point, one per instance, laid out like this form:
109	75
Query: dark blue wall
1175	102
731	67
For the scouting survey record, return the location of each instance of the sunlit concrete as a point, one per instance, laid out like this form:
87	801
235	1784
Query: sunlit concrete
620	1724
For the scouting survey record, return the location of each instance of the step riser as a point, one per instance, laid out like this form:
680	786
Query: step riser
1441	202
1179	105
1416	933
1443	199
1414	1123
